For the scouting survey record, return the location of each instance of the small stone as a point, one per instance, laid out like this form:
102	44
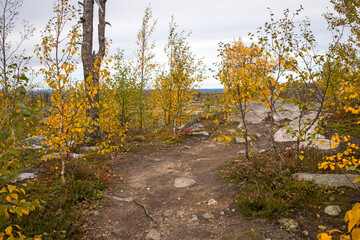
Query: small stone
168	213
184	182
180	214
153	235
222	213
207	216
333	210
241	140
212	202
193	219
187	147
157	160
306	232
241	152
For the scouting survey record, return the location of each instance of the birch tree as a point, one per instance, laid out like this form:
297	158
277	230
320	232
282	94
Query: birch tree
144	58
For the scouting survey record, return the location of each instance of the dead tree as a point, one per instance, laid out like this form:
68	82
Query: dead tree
92	61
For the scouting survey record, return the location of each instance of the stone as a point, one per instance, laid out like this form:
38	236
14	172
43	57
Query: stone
282	135
329	180
184	182
37	140
212	202
319	141
168	213
289	224
89	148
25	176
57	155
305	232
129	199
76	155
196	127
193	219
332	210
205	133
207	216
153	235
241	139
222	213
180	214
286	115
241	152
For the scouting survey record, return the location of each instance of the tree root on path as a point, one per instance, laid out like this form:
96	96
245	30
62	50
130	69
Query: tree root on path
146	212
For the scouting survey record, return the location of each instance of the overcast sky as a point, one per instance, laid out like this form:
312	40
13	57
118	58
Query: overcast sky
211	22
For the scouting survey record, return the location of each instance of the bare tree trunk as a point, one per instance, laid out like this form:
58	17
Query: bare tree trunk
92	61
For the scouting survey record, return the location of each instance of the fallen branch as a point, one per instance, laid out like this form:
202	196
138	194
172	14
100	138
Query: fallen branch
146	212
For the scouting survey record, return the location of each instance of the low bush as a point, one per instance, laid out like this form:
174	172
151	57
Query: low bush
62	205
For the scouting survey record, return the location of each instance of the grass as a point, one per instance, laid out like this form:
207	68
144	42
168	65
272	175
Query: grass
344	123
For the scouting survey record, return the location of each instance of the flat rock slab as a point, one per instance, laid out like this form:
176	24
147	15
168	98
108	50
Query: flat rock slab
196	127
329	180
184	182
37	140
128	199
205	133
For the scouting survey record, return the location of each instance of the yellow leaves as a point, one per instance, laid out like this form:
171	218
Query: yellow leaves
353	217
324	236
8	230
355	234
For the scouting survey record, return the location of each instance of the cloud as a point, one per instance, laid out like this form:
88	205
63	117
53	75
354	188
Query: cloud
210	21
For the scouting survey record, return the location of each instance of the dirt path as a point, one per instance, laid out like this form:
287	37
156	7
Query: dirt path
149	206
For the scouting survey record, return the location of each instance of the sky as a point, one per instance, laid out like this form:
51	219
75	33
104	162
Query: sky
210	21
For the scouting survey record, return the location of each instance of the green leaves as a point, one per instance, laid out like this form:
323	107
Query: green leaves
25	112
21	90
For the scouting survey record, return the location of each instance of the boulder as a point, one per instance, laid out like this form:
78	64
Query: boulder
329	180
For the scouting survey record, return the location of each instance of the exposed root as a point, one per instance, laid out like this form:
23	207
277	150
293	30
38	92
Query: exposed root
146	212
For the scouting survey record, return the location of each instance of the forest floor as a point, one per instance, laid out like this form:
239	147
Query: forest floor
144	202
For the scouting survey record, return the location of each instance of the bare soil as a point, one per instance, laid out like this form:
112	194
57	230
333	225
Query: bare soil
145	199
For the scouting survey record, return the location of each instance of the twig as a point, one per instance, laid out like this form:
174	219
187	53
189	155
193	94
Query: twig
146	212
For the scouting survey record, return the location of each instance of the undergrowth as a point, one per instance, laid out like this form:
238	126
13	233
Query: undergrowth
63	206
267	189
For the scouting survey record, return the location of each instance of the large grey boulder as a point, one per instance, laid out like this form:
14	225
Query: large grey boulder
285	134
